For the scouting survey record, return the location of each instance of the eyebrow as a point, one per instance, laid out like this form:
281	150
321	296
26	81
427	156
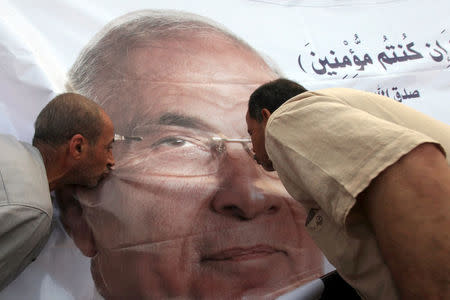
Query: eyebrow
176	119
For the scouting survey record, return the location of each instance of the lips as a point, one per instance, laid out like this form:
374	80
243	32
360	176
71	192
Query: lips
102	176
238	254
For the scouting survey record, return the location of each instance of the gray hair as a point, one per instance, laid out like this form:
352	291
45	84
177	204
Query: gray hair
91	73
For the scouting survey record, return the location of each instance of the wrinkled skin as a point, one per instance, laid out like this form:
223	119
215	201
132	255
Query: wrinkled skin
227	234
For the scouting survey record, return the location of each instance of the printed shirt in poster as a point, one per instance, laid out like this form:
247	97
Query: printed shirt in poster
326	147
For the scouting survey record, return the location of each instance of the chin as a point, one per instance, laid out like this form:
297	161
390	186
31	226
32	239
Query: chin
92	183
254	277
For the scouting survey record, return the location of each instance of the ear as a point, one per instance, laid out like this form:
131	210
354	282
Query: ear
265	114
77	145
73	221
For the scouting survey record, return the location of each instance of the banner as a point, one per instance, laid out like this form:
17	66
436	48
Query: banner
186	213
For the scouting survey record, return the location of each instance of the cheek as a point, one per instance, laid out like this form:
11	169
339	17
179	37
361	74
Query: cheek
145	210
100	160
259	144
252	146
140	273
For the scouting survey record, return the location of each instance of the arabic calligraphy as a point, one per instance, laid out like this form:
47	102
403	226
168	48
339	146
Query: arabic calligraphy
346	61
335	62
439	53
397	94
383	58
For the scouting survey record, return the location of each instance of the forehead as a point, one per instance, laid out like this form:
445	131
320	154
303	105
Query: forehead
107	123
107	126
209	77
199	58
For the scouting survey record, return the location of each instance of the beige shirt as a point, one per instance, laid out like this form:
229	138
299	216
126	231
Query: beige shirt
326	147
25	207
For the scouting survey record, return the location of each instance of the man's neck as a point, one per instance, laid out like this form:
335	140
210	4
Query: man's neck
55	165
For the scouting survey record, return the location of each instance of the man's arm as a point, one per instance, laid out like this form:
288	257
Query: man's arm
23	232
408	206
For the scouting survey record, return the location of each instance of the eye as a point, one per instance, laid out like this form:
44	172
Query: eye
174	152
171	141
179	145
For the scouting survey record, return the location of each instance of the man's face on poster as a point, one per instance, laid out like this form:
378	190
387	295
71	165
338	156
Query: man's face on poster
181	216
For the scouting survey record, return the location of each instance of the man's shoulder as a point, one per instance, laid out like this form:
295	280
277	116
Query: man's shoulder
12	147
341	91
17	151
8	140
342	96
327	94
23	179
311	97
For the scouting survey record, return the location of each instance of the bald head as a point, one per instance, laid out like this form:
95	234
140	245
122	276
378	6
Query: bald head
66	115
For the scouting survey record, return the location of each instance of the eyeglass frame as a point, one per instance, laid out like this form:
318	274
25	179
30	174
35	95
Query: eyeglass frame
218	140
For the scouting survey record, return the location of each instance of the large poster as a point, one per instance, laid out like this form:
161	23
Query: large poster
186	214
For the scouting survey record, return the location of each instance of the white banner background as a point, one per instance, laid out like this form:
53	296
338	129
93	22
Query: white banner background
41	39
396	48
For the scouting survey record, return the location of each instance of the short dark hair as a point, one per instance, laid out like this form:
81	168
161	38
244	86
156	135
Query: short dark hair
66	115
272	95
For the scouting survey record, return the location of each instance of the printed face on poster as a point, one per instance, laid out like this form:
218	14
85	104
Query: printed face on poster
183	215
186	214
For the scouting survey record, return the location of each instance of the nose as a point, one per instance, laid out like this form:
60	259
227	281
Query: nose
245	192
110	162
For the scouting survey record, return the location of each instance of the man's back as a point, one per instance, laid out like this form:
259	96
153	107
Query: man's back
25	207
327	147
348	132
393	111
